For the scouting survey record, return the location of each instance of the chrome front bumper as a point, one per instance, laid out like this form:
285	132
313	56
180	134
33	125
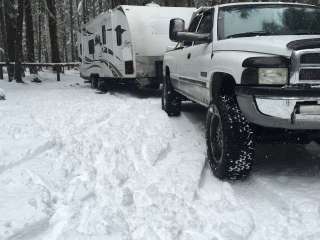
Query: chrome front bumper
291	108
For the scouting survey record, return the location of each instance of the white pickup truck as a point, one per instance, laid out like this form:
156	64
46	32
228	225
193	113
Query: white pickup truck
256	67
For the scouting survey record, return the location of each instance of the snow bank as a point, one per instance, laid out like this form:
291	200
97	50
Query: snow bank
2	94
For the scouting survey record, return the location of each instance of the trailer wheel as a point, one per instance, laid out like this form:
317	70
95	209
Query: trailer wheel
230	141
154	86
171	101
102	85
94	81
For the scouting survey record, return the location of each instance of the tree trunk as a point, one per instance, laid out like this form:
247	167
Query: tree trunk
40	22
84	11
71	30
100	6
66	59
29	34
3	32
78	18
93	9
11	34
52	16
18	53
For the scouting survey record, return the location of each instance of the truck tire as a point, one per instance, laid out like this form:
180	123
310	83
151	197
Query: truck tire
171	102
230	140
94	82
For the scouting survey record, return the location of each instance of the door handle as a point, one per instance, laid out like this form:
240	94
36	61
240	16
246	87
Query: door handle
189	55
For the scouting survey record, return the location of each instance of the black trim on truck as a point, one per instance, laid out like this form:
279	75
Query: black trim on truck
294	91
266	62
194	81
304	44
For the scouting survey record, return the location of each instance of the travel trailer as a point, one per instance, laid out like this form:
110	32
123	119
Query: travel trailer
127	44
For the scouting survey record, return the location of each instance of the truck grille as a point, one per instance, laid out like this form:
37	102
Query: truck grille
310	58
305	66
309	74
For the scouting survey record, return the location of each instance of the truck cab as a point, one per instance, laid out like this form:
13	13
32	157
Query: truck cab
256	68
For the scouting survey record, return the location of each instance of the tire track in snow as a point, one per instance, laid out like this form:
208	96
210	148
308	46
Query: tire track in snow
31	231
30	155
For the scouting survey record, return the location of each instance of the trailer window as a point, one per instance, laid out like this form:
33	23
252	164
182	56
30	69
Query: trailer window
119	32
104	40
91	46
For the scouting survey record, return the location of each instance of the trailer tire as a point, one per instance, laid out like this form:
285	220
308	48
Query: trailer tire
230	140
154	86
102	85
171	101
94	81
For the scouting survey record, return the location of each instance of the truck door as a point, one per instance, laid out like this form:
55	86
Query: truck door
199	60
185	83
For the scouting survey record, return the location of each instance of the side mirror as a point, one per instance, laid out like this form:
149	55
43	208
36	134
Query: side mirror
176	25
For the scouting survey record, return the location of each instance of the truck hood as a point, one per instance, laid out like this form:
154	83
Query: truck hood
276	45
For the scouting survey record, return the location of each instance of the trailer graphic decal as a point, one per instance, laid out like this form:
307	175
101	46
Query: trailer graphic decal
115	71
93	66
88	60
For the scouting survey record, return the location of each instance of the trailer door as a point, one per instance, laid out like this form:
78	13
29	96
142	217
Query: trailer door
123	44
109	39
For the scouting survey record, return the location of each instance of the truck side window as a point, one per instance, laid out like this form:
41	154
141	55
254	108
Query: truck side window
192	28
91	46
104	40
205	25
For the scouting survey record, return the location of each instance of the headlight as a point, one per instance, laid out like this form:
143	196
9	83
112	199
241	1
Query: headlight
273	75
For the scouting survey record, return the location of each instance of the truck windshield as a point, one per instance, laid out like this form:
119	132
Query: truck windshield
261	20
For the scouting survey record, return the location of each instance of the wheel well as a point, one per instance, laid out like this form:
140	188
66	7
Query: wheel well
222	84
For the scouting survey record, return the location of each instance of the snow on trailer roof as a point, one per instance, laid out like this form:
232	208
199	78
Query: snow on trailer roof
149	26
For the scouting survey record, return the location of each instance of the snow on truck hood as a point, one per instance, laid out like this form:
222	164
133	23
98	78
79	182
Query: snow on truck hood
276	45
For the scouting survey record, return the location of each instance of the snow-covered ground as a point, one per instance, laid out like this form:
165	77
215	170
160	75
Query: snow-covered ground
76	164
